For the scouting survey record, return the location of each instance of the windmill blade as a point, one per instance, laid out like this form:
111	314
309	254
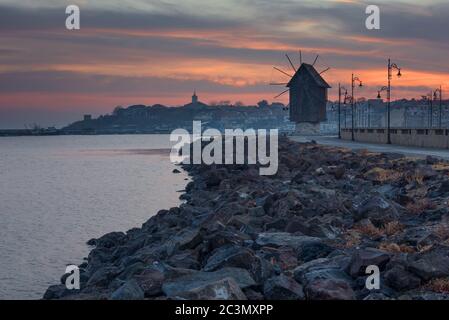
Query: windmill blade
291	63
315	59
281	93
325	70
279	84
300	56
288	75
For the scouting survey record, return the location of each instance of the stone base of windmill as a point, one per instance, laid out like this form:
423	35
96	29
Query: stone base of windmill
307	129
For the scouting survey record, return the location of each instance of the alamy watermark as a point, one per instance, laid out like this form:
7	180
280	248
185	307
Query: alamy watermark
373	280
372	22
256	149
72	281
73	21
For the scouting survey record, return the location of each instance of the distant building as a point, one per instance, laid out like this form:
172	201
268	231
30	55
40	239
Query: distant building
194	97
87	117
196	104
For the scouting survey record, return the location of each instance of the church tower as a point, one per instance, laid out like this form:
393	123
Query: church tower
194	97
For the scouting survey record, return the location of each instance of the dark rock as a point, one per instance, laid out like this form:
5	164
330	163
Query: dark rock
186	259
400	279
224	289
198	279
278	224
129	291
284	257
329	289
296	225
253	295
312	250
176	171
363	258
103	276
108	240
282	288
431	264
377	209
186	239
150	281
230	256
56	292
214	178
277	239
378	296
320	269
256	211
418	236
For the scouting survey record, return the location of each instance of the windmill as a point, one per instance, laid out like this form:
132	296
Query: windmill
307	93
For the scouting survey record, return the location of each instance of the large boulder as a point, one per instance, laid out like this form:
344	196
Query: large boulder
431	264
150	280
362	258
230	256
103	276
319	269
199	278
376	208
186	239
109	240
329	289
400	279
130	290
282	288
225	289
278	239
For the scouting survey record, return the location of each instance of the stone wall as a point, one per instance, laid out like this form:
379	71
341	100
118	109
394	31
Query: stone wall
426	138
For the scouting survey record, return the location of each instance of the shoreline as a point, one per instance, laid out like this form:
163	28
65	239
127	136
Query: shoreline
308	232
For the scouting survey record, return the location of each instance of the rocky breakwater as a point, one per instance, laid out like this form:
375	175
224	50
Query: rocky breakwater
309	232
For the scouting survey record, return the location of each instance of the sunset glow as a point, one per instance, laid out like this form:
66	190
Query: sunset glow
149	54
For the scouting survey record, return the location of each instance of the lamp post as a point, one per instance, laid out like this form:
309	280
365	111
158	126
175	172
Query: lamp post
353	81
379	96
439	91
340	88
391	67
429	98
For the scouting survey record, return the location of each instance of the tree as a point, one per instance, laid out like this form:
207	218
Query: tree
263	104
117	111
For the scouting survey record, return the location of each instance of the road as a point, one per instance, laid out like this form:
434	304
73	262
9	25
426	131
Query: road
408	151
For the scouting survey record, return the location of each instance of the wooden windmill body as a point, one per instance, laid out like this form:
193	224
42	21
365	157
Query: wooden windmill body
308	93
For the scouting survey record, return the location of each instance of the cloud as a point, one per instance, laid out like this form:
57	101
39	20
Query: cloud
160	50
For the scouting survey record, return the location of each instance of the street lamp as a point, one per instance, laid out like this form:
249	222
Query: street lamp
340	88
436	93
353	82
379	96
429	98
391	67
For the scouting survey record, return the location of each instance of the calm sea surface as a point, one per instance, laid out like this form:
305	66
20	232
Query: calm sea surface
58	192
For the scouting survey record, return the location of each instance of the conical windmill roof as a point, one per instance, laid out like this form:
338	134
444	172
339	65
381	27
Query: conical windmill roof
305	67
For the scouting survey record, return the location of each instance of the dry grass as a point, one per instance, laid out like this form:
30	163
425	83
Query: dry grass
368	230
389	229
419	206
352	239
415	177
442	231
441	167
395	248
440	285
392	228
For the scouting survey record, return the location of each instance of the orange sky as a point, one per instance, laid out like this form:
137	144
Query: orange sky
225	53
